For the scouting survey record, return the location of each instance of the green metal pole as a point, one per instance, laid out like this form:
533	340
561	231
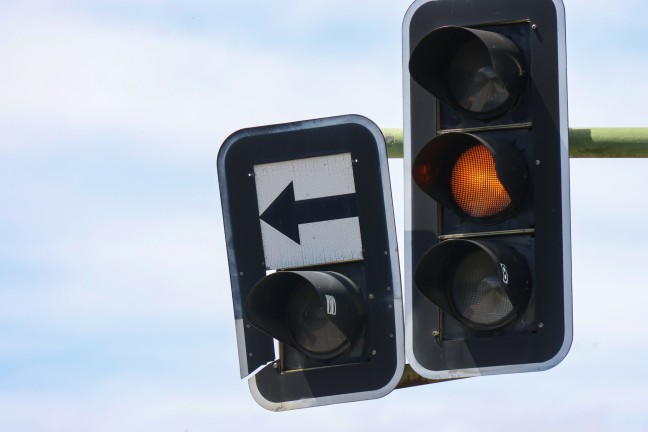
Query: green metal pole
394	141
608	143
583	143
411	379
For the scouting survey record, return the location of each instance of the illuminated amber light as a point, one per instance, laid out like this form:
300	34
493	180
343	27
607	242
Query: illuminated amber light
475	186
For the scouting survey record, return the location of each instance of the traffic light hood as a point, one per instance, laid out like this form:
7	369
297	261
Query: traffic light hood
321	314
485	285
479	73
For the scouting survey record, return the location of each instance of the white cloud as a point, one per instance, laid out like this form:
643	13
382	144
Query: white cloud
172	90
607	90
137	269
603	10
109	94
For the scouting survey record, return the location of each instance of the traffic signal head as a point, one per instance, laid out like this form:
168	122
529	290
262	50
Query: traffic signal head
481	74
480	180
487	265
320	314
484	285
311	244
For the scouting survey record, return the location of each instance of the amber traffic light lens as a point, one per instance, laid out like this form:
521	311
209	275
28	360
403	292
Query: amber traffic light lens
475	186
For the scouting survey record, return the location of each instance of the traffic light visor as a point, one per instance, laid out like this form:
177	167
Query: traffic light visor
320	314
479	73
485	285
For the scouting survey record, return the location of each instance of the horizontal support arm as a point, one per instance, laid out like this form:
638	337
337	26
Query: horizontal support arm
583	143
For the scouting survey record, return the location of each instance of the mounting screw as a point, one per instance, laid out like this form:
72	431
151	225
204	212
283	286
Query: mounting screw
540	325
436	333
373	352
537	162
275	365
534	26
371	296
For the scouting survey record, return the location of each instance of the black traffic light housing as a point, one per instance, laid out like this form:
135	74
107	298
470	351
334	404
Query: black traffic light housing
313	259
487	230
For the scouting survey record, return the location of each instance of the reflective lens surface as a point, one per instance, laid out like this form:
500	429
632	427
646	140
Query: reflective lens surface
478	293
472	80
475	186
308	324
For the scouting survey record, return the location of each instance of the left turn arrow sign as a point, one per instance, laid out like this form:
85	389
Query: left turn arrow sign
285	214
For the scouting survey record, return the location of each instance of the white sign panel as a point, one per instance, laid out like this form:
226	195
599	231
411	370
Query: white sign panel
308	211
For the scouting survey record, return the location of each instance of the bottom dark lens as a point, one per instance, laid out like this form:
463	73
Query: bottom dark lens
308	324
478	293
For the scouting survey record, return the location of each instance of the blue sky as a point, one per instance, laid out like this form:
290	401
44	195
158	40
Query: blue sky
115	305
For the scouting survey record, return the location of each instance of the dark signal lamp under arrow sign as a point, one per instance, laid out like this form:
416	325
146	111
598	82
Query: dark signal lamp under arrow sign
285	214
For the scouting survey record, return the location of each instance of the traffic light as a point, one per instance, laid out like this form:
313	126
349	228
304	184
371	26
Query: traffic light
487	230
320	314
313	260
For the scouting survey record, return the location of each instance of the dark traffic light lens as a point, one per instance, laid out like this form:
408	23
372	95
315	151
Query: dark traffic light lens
475	186
318	313
484	284
472	80
478	293
479	73
308	324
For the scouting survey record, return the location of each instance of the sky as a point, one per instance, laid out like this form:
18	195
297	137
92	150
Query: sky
115	304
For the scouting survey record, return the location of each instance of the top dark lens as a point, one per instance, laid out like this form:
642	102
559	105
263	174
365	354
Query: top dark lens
473	82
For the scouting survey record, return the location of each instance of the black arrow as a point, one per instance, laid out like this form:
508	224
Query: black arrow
285	214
